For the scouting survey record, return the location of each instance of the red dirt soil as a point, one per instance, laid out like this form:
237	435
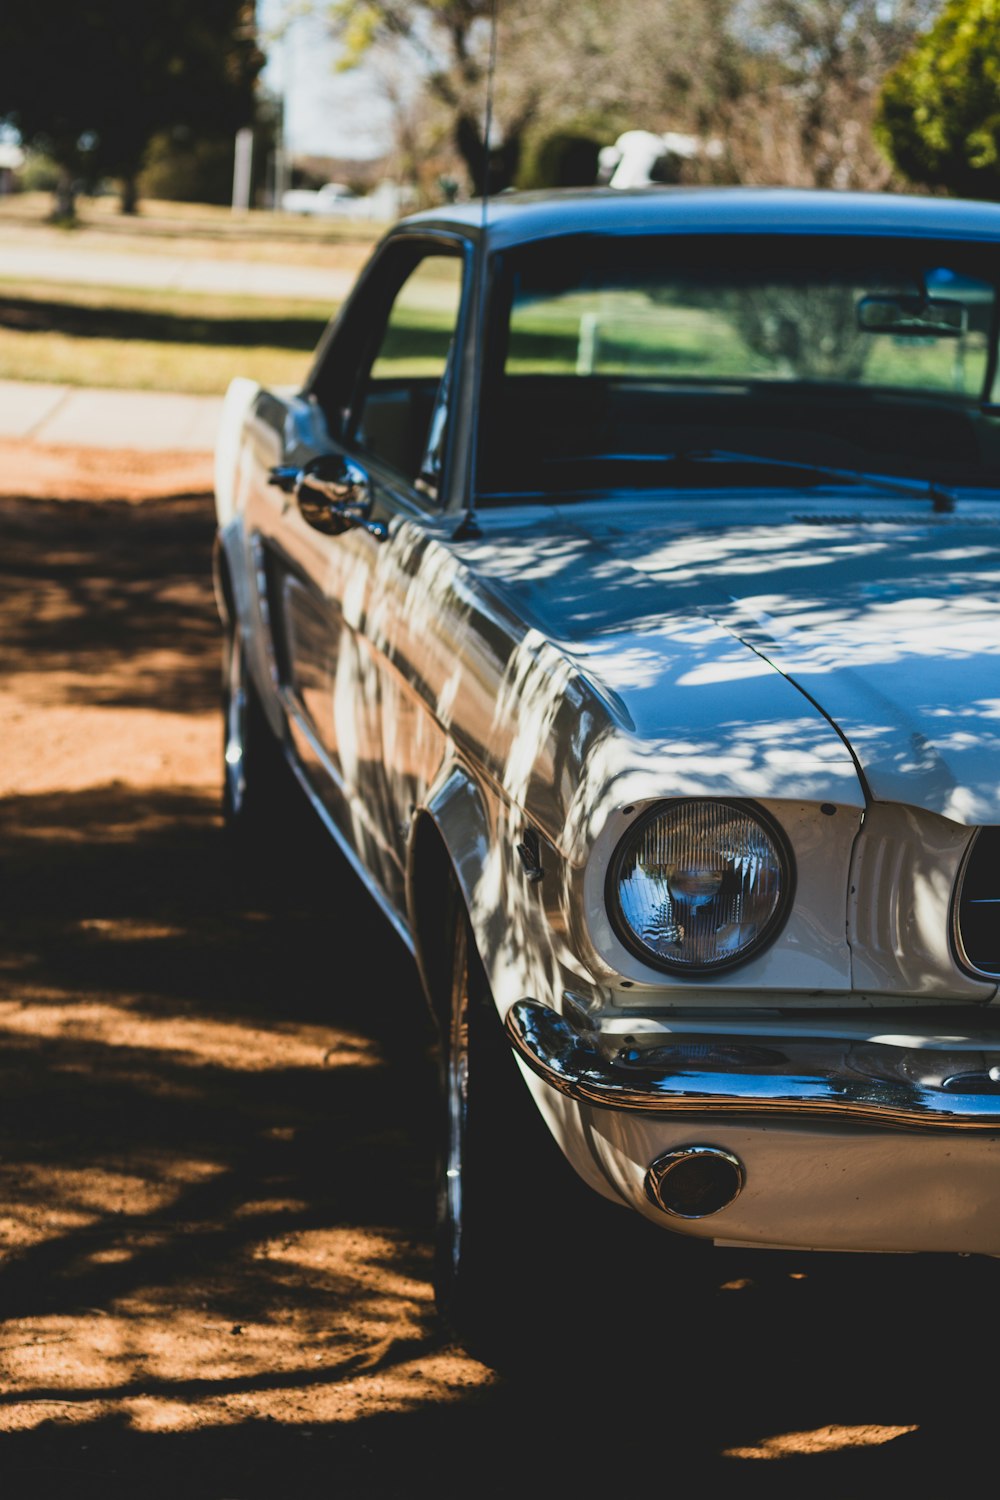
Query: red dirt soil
215	1149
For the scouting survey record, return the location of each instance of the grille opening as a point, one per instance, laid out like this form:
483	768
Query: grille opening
979	904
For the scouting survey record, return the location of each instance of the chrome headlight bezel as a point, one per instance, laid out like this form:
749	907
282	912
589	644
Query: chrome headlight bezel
770	929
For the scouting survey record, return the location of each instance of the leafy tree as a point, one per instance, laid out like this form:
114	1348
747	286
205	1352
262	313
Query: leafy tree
939	114
565	158
449	41
662	63
804	116
189	168
788	87
91	82
810	329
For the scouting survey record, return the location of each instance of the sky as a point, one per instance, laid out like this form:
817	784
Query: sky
326	113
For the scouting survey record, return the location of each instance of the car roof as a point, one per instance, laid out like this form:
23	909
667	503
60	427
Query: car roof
518	218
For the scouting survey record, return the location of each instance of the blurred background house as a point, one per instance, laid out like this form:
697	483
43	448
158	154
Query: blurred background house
11	163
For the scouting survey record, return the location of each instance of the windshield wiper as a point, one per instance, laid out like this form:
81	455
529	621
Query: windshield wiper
917	489
924	489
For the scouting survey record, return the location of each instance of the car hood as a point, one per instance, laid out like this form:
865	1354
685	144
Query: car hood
883	614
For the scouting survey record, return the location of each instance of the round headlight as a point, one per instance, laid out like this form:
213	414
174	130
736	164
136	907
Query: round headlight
698	886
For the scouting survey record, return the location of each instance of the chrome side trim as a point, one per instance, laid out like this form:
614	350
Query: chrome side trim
863	1083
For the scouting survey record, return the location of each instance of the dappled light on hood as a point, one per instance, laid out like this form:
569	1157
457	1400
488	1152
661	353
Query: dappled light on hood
684	615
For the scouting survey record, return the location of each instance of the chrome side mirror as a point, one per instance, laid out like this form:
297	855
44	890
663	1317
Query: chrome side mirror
333	494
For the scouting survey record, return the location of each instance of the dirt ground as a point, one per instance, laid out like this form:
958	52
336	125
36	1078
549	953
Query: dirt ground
215	1157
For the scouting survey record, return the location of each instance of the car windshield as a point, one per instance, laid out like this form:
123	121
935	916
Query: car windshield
617	363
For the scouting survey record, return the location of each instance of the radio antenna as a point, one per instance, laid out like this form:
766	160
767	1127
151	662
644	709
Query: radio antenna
468	528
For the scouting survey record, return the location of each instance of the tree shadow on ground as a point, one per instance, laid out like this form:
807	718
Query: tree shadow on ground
216	1189
150	1003
217	1145
289	331
111	604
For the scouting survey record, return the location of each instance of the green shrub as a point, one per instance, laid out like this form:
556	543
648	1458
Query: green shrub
566	158
40	174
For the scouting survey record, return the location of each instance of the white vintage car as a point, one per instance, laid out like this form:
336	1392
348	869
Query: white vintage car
623	590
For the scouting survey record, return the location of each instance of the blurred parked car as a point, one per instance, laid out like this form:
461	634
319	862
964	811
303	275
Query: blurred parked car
331	198
622	589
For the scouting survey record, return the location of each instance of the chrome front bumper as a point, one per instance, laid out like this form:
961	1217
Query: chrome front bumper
863	1083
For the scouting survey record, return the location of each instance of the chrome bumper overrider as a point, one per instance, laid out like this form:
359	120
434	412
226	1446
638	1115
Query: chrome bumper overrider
864	1083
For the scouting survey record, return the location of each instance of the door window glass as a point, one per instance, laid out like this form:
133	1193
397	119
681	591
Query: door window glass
402	413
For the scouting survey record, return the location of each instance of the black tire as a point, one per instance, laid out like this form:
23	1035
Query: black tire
255	775
510	1208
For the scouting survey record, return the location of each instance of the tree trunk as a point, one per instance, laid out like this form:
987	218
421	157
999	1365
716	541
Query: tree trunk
64	205
491	171
129	201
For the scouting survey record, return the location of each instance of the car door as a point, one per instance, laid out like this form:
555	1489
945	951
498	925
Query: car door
385	388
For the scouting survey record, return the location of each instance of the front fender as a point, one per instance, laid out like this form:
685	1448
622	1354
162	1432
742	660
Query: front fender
448	850
456	805
239	398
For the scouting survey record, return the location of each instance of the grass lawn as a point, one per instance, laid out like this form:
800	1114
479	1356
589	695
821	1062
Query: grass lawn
154	341
158	340
192	229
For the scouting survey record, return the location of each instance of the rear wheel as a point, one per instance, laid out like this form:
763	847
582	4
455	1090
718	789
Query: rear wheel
255	775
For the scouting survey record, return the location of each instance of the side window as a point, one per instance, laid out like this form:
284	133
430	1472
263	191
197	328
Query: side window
401	406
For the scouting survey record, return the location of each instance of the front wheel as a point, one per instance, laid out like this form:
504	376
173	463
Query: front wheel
511	1217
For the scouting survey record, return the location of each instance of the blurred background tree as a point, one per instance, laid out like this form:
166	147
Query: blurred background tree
939	115
558	65
788	88
850	94
90	83
446	43
804	113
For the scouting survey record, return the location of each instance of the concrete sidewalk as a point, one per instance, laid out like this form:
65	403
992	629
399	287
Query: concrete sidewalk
70	263
79	416
148	420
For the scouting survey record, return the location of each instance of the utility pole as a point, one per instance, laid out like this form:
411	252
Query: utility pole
280	156
242	165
